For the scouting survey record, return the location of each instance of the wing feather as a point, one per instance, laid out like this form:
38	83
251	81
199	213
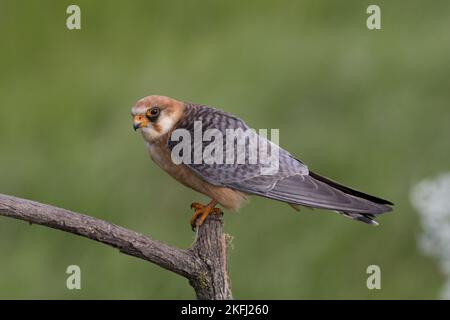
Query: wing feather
292	183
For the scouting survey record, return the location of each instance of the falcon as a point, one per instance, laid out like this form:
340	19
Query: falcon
230	184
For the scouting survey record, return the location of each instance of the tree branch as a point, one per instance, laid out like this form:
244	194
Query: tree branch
204	265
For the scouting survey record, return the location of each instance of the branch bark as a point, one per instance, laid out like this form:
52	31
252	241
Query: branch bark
204	264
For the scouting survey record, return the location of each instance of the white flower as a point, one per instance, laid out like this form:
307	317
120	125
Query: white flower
431	198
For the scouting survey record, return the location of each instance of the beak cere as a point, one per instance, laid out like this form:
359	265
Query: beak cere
139	122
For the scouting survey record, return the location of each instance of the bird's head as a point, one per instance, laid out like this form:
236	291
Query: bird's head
156	115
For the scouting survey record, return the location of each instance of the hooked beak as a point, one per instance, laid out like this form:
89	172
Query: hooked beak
139	122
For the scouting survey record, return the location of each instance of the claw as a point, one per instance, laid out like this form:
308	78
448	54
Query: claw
197	206
202	212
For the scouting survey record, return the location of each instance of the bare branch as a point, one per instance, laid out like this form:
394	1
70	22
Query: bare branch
204	265
211	247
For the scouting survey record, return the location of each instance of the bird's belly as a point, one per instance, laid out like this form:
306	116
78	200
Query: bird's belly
226	197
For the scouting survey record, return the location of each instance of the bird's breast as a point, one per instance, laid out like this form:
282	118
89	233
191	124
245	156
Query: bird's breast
228	198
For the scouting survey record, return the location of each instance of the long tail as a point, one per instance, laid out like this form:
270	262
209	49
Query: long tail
383	205
316	191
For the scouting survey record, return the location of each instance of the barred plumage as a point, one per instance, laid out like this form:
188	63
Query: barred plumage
292	183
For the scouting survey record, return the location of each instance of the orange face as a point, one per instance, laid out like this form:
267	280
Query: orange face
140	121
155	116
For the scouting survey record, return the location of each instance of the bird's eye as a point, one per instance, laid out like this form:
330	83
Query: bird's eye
153	113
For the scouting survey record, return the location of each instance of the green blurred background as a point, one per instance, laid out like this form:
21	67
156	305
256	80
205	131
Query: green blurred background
367	108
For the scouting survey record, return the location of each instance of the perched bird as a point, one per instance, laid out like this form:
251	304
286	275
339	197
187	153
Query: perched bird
230	184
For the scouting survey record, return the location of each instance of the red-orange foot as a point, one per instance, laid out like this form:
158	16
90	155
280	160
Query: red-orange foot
202	212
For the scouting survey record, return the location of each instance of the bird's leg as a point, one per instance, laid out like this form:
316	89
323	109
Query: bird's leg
202	212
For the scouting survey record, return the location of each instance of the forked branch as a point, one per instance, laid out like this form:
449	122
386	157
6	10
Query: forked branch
204	264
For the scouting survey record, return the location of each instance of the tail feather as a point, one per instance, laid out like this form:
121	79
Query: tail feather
348	190
363	217
319	192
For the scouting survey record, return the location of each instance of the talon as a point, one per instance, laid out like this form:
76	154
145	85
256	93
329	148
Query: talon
202	212
198	212
197	206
